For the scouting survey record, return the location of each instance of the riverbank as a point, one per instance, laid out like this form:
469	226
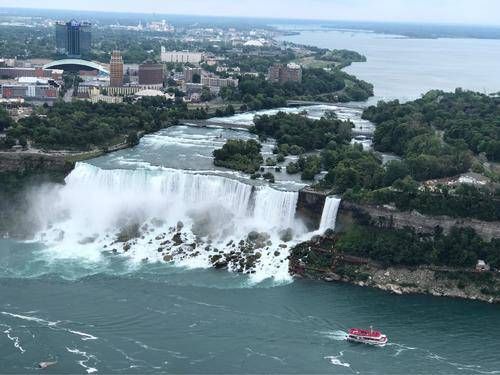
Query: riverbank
319	259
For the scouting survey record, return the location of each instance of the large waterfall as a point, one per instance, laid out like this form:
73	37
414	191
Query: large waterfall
329	215
181	217
156	213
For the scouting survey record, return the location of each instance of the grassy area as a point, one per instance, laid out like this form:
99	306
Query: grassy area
313	62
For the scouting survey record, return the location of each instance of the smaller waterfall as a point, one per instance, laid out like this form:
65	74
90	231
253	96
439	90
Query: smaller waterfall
329	215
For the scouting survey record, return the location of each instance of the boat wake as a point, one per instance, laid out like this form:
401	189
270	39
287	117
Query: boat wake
53	325
337	335
85	361
336	360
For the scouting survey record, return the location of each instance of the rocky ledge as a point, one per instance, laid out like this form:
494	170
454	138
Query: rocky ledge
318	259
33	161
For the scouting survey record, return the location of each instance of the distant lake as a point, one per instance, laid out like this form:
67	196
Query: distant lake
404	68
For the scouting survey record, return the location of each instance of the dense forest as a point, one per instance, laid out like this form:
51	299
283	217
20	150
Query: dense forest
84	125
239	155
464	120
455	201
299	130
317	85
342	57
5	120
361	176
462	247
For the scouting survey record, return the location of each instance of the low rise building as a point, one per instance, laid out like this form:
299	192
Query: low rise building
154	93
181	56
214	81
11	73
42	92
190	88
190	75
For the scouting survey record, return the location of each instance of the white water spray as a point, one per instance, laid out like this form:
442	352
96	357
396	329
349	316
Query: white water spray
329	215
84	218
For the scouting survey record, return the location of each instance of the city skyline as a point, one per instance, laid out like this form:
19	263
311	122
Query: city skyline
444	11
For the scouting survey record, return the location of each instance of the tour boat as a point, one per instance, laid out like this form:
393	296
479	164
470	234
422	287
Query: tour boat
364	336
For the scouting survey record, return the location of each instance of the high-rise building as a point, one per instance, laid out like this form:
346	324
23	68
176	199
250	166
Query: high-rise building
280	73
151	74
61	37
116	69
73	38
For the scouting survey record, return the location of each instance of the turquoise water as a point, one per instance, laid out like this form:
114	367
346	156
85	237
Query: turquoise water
91	310
158	318
68	298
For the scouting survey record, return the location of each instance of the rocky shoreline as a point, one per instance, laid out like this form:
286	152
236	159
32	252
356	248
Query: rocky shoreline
317	259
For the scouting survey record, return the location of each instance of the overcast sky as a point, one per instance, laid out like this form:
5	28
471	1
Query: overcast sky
486	12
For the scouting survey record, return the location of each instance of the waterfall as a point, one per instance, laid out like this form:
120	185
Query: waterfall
276	207
85	216
329	215
114	191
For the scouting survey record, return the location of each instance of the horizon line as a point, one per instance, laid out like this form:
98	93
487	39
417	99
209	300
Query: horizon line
256	17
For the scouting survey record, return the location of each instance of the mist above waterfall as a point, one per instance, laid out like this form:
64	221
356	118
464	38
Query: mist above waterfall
139	205
176	215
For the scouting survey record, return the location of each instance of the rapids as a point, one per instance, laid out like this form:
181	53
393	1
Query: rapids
164	201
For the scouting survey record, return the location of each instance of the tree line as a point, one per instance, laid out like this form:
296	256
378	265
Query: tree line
82	125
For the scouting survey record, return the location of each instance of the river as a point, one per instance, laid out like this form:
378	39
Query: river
75	296
404	68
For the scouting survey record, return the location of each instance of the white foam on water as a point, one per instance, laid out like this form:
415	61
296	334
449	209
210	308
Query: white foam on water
84	362
400	348
343	111
85	336
82	219
336	335
252	352
460	366
32	319
335	360
15	340
51	325
182	136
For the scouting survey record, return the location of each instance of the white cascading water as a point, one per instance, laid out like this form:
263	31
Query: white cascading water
83	218
329	215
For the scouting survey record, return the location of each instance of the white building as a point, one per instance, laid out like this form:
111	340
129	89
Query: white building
154	93
181	56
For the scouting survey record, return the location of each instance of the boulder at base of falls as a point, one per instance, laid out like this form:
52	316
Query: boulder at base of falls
218	261
258	240
286	235
177	239
168	258
180	225
128	233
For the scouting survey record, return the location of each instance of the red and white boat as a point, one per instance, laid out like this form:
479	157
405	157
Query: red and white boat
367	336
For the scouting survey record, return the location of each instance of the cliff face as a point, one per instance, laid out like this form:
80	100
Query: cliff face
318	259
387	218
310	205
19	171
37	162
